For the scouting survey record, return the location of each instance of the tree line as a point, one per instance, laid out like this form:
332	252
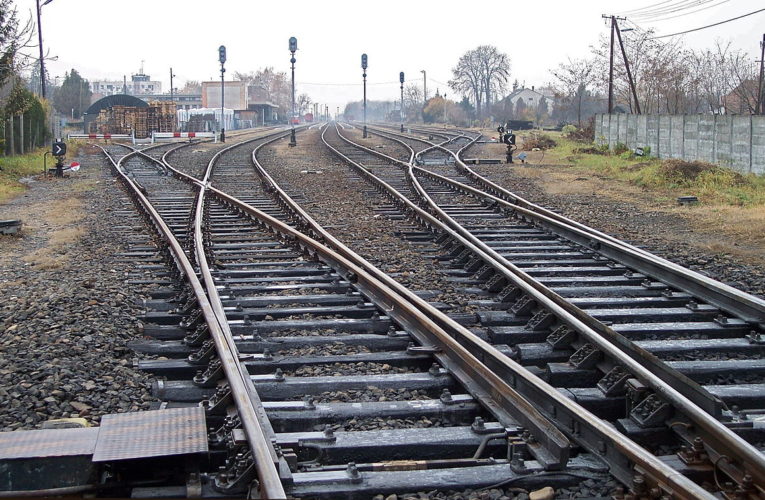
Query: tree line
23	117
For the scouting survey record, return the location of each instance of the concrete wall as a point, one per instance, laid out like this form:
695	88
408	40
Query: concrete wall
735	141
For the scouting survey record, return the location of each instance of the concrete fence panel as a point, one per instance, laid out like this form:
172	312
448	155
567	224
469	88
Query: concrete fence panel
676	136
706	147
652	133
735	141
665	132
642	131
631	139
622	120
723	140
691	137
741	143
758	144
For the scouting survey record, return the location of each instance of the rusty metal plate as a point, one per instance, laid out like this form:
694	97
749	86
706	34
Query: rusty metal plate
47	443
156	433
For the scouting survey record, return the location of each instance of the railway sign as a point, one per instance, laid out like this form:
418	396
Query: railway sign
59	148
401	77
363	61
222	54
293	44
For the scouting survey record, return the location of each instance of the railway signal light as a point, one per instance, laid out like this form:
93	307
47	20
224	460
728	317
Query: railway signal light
401	77
364	67
222	54
293	116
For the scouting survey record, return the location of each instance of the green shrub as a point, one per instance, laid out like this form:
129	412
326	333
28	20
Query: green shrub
620	148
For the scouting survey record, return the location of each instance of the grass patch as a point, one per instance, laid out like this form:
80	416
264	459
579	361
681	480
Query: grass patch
18	167
714	185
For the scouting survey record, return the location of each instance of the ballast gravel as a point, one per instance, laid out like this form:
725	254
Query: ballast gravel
67	313
649	229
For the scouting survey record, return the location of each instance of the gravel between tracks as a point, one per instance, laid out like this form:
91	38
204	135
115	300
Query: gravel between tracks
337	200
66	312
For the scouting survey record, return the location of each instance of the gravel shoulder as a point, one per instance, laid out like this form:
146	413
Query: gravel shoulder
67	313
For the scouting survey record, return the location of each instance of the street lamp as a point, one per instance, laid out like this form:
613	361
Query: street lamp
171	84
424	87
364	67
222	59
39	39
401	79
293	48
444	109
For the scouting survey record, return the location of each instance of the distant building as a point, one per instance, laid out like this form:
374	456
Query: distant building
139	84
531	97
182	101
249	106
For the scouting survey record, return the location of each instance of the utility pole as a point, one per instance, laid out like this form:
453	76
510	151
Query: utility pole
760	97
611	69
39	40
627	66
615	29
364	67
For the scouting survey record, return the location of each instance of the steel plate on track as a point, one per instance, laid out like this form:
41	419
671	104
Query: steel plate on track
176	431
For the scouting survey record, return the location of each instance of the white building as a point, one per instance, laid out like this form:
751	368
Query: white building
531	97
139	84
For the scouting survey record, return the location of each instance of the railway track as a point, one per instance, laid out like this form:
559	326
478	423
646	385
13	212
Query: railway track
321	376
638	313
277	304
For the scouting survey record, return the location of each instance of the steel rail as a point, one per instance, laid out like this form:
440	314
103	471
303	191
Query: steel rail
485	384
239	380
691	390
270	480
688	397
729	299
577	419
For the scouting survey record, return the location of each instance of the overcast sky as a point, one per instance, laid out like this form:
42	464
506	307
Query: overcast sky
106	39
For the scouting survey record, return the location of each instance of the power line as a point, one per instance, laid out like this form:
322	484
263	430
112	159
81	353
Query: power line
344	84
710	25
647	7
685	5
686	13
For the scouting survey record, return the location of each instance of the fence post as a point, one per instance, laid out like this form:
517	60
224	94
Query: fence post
12	136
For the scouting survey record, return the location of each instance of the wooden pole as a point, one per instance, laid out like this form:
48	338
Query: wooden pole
611	70
626	65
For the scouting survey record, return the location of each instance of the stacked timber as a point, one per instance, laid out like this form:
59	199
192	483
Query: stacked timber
157	117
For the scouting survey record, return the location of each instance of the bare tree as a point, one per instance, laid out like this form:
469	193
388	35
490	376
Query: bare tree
272	86
412	102
724	71
467	79
303	102
495	71
481	72
191	87
574	80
